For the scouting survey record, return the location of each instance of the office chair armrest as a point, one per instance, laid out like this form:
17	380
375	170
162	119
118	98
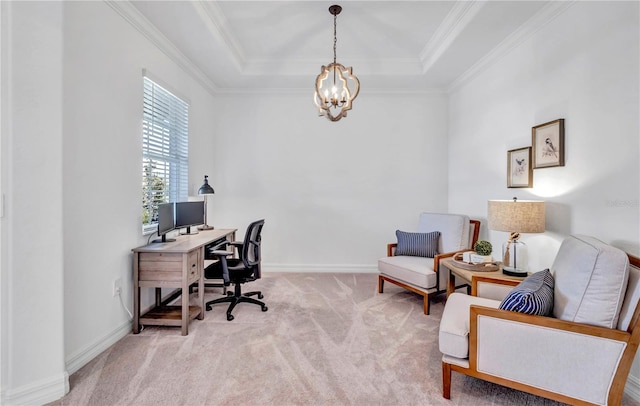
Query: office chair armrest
222	263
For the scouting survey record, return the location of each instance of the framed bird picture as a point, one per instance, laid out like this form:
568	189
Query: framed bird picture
547	141
519	173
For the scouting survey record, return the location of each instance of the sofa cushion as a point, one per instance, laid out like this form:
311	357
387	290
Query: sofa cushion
590	281
417	271
417	244
454	325
534	295
454	229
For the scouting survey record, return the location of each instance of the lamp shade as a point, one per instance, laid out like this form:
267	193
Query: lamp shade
522	216
206	189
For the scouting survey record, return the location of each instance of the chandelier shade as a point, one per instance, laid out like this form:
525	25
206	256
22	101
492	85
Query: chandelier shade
336	85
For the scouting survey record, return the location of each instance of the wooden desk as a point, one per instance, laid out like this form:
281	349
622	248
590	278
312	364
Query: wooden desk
468	275
177	264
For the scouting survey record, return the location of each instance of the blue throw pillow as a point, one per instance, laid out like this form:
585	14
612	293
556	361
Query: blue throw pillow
534	295
417	244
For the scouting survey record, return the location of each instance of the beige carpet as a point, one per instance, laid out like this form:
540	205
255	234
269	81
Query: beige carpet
327	339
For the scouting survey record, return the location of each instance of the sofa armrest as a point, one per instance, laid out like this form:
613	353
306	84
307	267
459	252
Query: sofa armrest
526	351
492	288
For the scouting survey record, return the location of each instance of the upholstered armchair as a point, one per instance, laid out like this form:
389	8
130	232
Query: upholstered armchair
580	353
413	262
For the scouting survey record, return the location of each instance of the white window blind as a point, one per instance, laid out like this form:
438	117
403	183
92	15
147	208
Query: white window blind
165	152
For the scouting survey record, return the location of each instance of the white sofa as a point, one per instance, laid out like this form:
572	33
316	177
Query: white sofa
579	354
422	275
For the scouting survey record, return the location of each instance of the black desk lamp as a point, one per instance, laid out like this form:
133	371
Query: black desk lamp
205	190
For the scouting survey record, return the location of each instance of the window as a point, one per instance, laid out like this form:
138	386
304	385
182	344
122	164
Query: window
165	152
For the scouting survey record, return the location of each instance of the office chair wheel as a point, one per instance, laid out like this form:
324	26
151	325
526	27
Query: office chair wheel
260	296
229	317
208	307
265	308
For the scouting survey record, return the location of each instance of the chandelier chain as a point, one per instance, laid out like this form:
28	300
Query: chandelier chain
335	37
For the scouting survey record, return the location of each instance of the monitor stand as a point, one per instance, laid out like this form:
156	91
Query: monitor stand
189	232
164	239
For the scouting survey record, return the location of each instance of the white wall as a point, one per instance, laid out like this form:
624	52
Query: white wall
322	186
32	263
104	59
583	67
71	174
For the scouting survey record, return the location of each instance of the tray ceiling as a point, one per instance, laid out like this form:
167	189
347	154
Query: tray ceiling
394	46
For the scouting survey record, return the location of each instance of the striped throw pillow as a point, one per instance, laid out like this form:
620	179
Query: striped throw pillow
534	295
417	244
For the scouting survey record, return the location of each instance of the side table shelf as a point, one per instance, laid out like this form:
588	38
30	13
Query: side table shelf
168	315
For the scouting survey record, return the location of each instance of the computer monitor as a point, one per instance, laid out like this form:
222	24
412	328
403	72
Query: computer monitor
189	214
166	221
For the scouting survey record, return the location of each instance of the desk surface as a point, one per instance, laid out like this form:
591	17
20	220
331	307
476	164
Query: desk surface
184	243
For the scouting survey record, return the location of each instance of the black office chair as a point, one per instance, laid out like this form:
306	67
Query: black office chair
240	270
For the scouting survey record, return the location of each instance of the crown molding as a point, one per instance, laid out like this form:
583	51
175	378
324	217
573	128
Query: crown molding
216	23
460	15
382	66
547	14
131	14
309	91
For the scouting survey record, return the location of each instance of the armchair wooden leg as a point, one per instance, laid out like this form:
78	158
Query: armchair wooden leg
446	380
380	284
425	304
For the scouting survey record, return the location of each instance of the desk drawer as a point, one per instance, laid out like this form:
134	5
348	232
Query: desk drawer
159	266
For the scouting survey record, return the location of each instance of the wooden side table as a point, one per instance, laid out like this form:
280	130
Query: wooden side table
470	276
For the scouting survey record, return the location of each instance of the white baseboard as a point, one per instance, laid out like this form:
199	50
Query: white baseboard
37	393
82	357
51	389
322	268
632	388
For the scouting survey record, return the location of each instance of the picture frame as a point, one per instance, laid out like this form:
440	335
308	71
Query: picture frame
519	169
547	141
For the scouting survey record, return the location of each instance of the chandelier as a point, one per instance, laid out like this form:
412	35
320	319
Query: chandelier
336	86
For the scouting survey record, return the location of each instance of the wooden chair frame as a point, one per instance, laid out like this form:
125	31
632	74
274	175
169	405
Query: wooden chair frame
631	337
426	295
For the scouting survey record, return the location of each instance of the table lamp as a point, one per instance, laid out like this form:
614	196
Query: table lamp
205	190
516	216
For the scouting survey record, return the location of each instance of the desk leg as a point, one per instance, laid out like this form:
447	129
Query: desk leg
136	296
185	307
451	284
200	296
